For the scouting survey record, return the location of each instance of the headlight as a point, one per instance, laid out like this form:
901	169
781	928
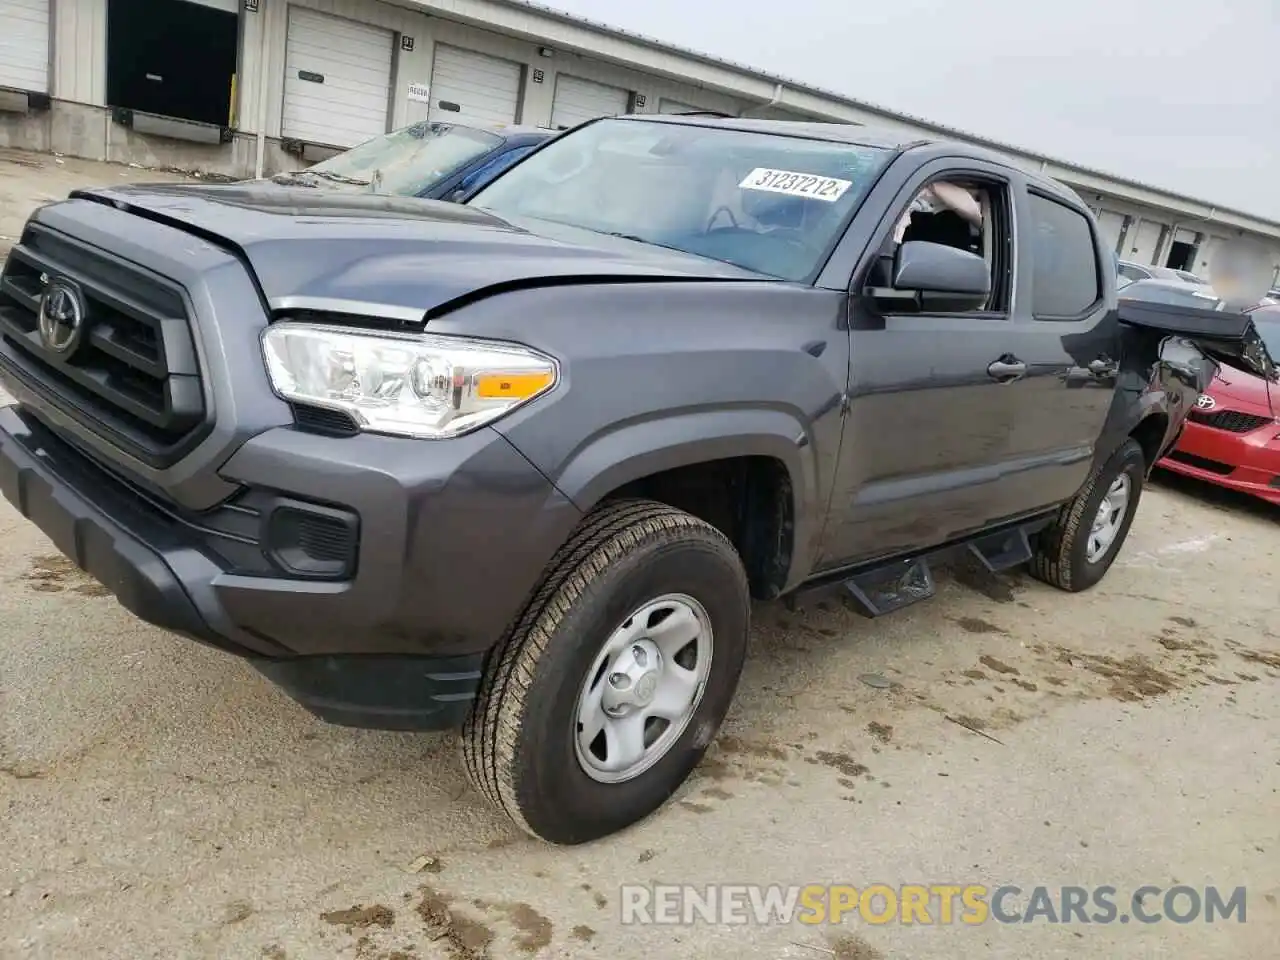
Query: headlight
410	385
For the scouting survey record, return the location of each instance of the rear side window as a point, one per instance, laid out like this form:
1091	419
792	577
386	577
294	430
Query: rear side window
1066	278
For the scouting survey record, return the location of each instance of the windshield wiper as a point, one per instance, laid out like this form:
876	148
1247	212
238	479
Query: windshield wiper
635	238
291	180
337	178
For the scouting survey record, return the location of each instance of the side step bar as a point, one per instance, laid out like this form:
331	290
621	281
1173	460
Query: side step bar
890	585
883	590
1002	551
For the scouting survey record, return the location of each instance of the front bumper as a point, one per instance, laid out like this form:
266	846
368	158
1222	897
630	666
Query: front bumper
1248	463
453	537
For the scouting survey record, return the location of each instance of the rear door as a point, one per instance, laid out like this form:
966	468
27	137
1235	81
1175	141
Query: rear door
1069	340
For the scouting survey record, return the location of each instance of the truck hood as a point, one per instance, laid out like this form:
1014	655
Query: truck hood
414	256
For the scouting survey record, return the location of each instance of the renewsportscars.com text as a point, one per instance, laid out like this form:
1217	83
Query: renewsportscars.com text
928	904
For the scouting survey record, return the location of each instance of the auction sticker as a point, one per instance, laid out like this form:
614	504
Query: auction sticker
795	184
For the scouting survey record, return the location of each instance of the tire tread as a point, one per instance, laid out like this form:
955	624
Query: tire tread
490	737
1051	561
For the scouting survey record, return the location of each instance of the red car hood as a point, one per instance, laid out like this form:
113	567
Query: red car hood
1245	391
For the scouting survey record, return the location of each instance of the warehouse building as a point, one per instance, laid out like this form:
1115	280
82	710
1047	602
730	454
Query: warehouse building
248	87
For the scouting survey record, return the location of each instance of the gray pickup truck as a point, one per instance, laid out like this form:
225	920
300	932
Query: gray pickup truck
519	466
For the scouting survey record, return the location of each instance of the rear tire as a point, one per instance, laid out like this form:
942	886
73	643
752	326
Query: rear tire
523	741
1071	553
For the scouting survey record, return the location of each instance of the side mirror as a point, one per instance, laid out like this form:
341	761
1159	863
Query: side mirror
938	277
936	268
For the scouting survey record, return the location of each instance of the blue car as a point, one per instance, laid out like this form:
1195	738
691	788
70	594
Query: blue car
436	161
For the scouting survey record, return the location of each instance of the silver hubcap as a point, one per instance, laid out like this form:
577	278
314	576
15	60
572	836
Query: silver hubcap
643	688
1106	525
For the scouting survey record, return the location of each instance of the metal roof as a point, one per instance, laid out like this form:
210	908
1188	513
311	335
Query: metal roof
928	125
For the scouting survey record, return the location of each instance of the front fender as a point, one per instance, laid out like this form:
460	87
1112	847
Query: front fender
631	451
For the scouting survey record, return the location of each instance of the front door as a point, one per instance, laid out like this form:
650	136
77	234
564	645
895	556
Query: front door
932	396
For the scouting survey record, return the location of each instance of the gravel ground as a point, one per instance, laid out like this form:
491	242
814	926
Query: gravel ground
158	799
28	180
161	800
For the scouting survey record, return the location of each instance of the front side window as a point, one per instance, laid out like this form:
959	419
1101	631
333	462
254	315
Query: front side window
407	162
1065	281
769	203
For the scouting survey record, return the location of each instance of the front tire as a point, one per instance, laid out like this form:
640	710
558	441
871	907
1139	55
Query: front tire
639	629
1077	550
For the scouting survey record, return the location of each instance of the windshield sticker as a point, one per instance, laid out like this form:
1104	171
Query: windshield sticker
795	184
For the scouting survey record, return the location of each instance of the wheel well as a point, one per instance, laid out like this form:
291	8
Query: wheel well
1150	434
748	499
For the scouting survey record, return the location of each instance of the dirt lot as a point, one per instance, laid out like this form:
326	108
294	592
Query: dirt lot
161	800
28	180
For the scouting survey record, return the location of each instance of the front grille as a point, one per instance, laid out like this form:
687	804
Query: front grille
132	376
1203	463
1230	420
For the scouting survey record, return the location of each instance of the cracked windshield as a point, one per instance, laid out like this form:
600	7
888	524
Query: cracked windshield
403	163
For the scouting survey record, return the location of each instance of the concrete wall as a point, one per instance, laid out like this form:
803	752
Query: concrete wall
79	130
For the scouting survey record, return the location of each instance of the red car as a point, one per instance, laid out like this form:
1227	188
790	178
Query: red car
1232	438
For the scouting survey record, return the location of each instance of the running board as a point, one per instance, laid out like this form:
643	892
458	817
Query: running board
888	589
1002	551
890	585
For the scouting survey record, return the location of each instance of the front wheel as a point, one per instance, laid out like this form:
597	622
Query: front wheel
608	691
1078	548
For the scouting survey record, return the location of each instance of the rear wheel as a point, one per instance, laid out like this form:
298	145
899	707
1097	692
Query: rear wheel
1076	551
607	692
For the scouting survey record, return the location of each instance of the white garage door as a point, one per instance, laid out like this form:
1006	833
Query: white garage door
577	101
24	45
470	87
675	106
1205	255
1143	242
1110	226
337	79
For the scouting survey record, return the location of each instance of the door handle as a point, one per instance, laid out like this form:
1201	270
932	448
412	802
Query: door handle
1007	368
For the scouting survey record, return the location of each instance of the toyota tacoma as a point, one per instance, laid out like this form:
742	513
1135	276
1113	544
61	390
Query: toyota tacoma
520	465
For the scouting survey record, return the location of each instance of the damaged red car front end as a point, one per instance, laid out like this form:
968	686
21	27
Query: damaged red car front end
1232	438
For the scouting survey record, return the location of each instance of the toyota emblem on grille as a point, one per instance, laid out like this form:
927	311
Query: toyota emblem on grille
61	317
1206	402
